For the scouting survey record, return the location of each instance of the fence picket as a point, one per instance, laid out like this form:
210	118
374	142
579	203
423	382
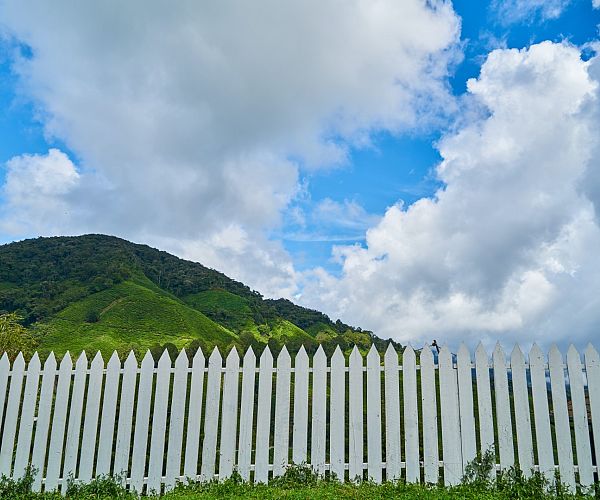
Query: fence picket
539	390
337	414
123	445
411	414
452	458
57	433
211	419
177	417
159	423
281	440
580	418
592	370
40	441
229	414
27	415
561	418
430	418
393	445
374	415
355	417
319	412
4	370
90	423
522	412
192	441
246	414
465	401
505	435
12	415
142	417
109	411
484	401
299	438
263	417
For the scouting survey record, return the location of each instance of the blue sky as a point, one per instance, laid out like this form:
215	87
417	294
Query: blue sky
347	166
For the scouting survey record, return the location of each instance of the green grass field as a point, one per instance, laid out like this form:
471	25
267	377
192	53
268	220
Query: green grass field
132	314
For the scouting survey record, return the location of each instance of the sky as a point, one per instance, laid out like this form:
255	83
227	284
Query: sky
422	169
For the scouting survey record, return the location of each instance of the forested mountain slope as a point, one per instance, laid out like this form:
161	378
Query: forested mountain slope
101	292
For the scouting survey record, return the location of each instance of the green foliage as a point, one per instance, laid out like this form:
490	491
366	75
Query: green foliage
100	292
14	337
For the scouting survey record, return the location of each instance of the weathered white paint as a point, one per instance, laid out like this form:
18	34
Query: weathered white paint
503	420
430	418
263	417
393	437
300	430
319	412
522	412
230	413
281	440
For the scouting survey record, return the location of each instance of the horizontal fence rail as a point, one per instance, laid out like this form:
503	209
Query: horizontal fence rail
420	416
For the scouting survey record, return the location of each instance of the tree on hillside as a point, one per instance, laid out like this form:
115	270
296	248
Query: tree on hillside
14	337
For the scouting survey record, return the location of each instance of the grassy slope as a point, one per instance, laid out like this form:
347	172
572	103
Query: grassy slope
134	313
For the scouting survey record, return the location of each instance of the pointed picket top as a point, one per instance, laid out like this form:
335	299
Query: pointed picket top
355	356
591	354
516	355
215	357
232	357
66	361
301	354
164	360
320	357
182	360
114	360
98	360
463	355
131	360
198	357
573	355
147	360
19	362
82	361
50	362
390	355
409	354
373	355
266	358
338	357
284	358
498	355
249	355
34	362
555	356
4	363
426	354
481	355
536	356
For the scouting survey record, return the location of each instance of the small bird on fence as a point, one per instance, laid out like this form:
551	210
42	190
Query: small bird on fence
435	344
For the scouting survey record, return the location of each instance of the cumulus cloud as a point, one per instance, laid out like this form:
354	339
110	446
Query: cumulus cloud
36	193
509	246
189	118
514	11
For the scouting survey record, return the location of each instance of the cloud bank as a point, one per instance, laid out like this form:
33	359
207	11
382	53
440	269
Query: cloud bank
509	247
190	123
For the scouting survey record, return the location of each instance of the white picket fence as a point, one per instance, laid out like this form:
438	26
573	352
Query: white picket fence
154	426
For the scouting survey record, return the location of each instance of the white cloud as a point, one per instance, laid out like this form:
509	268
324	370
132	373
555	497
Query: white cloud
36	192
185	116
509	247
513	11
596	4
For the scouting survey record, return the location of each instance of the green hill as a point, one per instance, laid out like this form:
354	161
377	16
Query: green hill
97	292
